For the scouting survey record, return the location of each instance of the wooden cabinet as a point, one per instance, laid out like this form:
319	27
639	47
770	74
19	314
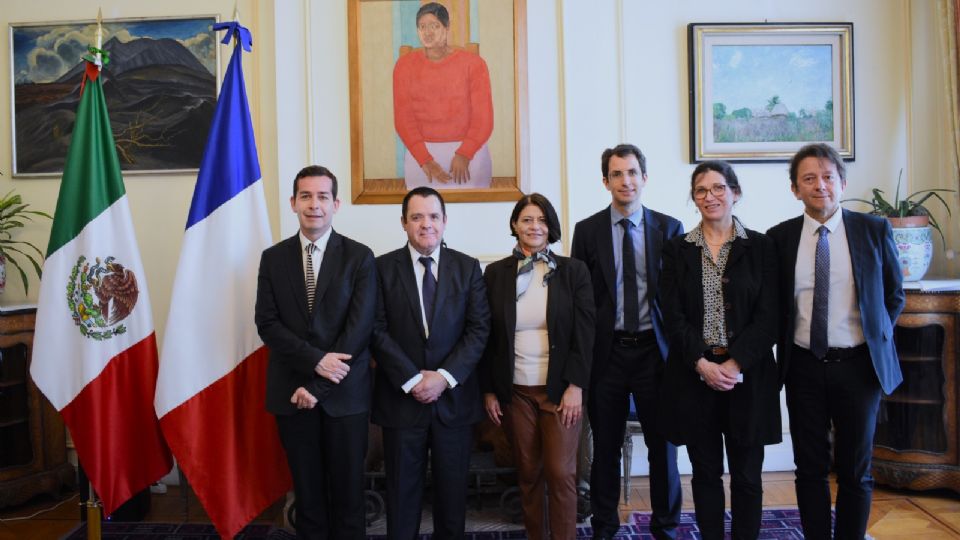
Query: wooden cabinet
33	449
916	444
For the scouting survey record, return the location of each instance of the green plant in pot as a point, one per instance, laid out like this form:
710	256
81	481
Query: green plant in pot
14	214
912	222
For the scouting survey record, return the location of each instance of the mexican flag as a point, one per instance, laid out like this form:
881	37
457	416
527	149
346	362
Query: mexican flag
95	351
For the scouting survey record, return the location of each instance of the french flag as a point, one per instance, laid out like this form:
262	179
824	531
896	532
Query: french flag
212	378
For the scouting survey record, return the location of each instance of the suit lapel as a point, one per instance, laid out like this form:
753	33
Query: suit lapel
794	229
508	283
294	270
652	241
328	266
408	280
605	255
852	227
693	261
740	246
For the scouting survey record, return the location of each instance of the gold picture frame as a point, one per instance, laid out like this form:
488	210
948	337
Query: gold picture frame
759	92
378	30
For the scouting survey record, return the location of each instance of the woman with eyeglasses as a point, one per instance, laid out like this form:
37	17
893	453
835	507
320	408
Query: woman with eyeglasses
536	367
720	387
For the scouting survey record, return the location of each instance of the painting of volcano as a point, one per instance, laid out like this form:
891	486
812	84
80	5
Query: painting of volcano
160	85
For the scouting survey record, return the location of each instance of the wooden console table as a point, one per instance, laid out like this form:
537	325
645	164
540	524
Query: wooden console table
917	437
33	449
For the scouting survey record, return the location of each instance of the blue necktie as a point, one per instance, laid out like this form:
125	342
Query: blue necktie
821	294
631	302
429	288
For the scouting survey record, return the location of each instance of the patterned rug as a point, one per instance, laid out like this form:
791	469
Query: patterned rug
776	525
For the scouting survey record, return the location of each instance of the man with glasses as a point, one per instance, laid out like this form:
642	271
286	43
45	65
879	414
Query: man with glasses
621	246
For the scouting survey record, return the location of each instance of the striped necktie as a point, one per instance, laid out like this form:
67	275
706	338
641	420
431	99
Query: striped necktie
311	280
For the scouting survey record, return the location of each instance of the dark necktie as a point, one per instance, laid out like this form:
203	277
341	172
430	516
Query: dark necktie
429	288
311	280
821	294
631	302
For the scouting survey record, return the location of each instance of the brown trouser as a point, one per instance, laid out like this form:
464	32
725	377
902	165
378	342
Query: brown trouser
545	452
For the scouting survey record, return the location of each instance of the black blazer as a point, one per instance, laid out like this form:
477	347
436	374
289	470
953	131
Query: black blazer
461	323
750	296
570	320
593	244
876	275
342	321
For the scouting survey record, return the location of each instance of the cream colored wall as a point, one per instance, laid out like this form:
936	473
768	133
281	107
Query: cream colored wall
159	203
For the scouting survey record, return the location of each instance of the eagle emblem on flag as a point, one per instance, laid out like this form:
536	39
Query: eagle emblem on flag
100	296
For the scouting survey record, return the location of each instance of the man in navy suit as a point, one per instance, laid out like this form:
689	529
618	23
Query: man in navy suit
316	298
841	294
431	330
621	246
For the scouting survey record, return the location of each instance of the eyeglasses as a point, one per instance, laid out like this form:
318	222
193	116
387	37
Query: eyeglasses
717	190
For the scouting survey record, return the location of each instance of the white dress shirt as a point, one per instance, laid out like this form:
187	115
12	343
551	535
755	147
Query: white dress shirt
844	328
418	271
321	248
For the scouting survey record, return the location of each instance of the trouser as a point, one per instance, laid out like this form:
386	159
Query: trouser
846	395
545	453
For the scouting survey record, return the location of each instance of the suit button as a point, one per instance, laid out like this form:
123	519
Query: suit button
724	280
727	306
730	335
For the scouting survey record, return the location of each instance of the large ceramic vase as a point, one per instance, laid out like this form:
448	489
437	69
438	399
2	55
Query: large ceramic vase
914	239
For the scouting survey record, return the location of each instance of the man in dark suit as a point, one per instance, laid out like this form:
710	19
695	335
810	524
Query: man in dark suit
841	294
431	329
621	246
316	300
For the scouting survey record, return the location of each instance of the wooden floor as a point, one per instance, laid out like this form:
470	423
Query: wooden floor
896	514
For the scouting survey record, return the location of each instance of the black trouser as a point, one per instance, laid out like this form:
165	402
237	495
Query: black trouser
325	455
745	464
405	458
634	369
846	393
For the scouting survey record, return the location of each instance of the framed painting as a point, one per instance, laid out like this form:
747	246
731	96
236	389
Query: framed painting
160	84
759	92
437	98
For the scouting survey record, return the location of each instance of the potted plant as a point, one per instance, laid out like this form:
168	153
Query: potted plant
912	223
13	215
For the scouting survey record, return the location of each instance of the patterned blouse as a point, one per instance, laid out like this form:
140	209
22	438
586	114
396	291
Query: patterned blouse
714	322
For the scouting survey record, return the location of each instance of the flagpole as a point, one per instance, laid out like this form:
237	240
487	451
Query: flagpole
93	505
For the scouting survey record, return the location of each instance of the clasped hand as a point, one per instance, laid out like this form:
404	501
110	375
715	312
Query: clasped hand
333	366
720	377
430	387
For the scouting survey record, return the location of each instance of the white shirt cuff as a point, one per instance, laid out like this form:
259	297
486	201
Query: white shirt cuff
408	386
451	382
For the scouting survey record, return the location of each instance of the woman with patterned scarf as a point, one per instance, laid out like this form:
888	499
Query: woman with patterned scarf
537	364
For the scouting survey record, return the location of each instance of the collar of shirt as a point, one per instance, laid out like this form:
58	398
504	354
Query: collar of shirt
415	258
636	218
321	242
810	225
696	235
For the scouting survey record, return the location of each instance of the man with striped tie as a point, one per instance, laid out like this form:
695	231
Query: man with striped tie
316	299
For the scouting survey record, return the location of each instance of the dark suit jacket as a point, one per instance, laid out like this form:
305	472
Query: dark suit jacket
876	275
461	323
750	295
570	320
593	244
342	321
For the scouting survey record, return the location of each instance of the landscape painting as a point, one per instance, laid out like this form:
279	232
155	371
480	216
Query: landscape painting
160	85
760	92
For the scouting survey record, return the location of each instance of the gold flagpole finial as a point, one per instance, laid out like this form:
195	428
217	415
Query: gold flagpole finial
99	38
